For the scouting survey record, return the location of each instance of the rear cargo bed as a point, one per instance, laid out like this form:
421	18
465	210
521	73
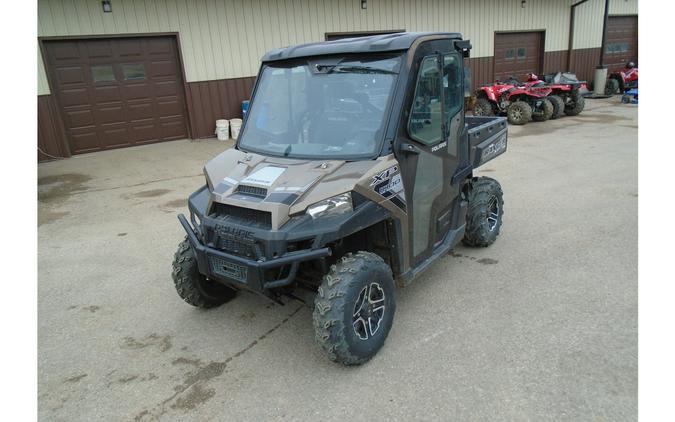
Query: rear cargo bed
487	138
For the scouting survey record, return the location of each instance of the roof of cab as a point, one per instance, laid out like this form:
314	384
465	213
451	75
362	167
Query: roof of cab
371	44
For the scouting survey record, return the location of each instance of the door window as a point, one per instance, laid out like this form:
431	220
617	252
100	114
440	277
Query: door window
425	117
452	84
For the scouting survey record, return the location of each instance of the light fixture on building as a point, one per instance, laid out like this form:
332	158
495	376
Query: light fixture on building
523	3
364	4
107	7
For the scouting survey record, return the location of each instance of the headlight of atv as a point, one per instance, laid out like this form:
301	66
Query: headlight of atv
339	204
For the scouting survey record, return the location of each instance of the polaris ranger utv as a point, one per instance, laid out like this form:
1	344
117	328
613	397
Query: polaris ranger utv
352	174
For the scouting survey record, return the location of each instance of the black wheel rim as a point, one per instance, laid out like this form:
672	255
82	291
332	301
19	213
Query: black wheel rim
369	311
493	213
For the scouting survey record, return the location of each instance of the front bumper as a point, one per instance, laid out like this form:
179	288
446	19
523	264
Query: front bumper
249	274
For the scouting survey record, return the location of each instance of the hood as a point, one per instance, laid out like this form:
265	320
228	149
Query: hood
282	186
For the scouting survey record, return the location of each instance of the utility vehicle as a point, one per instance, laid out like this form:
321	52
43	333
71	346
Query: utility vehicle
353	173
520	102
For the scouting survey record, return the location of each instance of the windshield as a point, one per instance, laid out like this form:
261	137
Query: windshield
332	108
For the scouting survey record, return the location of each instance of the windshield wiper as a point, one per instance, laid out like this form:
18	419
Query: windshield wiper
288	150
354	69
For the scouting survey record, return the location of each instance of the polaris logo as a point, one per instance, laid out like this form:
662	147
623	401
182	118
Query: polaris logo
439	146
225	231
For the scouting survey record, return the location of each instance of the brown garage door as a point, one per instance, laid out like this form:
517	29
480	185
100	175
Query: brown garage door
117	92
517	54
621	45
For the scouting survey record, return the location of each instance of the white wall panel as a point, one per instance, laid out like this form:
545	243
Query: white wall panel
225	39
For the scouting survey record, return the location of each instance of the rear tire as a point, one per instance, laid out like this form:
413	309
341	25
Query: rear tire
576	104
484	216
558	106
519	113
483	107
354	308
545	113
193	287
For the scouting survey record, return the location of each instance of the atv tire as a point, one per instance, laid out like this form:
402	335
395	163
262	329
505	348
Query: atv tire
483	107
484	215
519	113
357	291
546	112
193	287
558	106
611	87
576	105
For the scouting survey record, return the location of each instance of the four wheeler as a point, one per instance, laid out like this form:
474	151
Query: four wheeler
520	102
352	174
623	80
566	92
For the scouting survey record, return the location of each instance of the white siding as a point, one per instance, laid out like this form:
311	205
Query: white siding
588	24
623	7
225	39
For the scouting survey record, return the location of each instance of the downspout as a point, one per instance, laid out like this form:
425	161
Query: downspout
570	45
604	34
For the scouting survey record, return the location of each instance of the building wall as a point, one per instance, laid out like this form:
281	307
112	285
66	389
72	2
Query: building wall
225	39
623	7
222	41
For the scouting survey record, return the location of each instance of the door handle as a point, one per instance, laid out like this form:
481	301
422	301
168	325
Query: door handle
409	149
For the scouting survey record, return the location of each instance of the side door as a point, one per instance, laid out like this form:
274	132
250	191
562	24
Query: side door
427	145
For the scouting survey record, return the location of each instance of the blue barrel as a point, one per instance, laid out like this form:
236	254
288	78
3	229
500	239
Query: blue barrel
244	109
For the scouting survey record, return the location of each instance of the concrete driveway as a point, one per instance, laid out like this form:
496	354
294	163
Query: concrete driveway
540	326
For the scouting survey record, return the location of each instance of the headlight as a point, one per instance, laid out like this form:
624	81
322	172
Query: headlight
340	204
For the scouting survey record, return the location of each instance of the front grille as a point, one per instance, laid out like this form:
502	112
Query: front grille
252	190
228	269
243	216
233	244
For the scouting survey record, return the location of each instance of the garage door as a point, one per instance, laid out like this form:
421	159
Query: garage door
517	53
118	92
621	45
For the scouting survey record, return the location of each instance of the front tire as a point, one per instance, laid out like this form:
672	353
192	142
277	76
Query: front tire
484	216
612	87
193	287
519	113
354	308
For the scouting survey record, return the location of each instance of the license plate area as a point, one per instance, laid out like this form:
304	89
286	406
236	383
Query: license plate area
224	268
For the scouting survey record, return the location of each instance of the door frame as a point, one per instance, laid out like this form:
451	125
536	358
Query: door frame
51	82
542	47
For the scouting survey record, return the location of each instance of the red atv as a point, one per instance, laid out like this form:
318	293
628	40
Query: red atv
521	103
623	80
567	92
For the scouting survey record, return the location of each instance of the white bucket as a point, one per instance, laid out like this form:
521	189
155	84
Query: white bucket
236	126
222	129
